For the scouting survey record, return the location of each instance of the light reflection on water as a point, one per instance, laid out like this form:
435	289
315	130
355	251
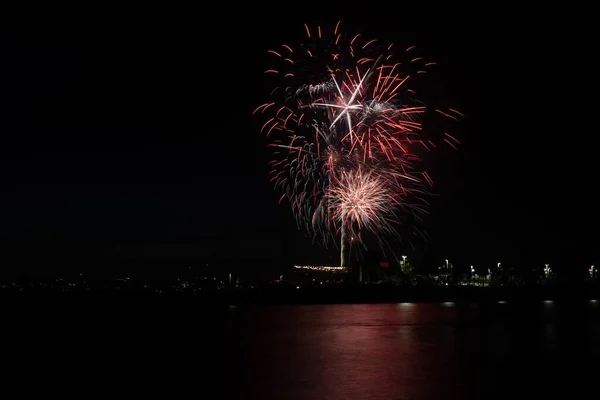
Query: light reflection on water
407	350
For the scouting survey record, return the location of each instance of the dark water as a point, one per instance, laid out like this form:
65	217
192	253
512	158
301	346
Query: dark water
416	351
379	351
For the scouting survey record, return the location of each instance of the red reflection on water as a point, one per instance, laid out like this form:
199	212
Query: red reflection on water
357	351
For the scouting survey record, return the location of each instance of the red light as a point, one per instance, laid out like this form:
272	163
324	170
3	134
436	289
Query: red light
384	264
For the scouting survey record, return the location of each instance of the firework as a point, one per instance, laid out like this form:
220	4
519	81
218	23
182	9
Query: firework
346	129
365	200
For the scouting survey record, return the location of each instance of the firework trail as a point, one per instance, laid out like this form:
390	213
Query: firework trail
365	199
342	109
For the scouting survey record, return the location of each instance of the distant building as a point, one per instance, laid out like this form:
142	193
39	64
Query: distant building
375	268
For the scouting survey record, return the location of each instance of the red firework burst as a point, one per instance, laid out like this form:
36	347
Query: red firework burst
343	108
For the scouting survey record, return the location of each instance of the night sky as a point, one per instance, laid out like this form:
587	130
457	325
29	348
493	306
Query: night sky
136	138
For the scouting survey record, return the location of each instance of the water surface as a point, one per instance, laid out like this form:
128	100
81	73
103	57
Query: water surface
335	352
414	351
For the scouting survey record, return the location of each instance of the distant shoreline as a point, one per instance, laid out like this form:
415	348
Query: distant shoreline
346	295
382	294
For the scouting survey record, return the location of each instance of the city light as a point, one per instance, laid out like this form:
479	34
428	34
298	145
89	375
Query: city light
322	268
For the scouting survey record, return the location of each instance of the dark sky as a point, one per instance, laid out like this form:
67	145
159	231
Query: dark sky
136	137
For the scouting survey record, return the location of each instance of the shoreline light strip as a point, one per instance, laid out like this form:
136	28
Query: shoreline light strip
322	268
